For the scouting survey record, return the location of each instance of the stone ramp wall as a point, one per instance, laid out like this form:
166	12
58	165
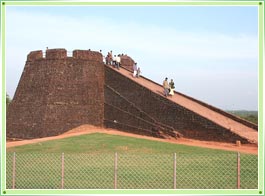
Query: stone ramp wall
231	116
184	121
136	120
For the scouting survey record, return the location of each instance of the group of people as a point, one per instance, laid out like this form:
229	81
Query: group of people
115	60
136	71
168	87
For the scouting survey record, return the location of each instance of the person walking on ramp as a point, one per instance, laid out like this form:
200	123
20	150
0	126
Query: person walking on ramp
138	72
166	87
134	70
172	87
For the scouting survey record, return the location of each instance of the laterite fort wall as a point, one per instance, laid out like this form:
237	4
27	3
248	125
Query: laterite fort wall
57	93
184	121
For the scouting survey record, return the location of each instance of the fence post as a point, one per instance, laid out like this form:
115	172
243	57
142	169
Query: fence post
14	172
238	170
62	182
115	170
175	170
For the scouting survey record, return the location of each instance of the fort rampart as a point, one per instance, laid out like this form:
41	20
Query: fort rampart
59	91
186	122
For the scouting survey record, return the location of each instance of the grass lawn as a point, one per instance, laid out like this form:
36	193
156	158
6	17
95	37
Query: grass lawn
141	163
104	143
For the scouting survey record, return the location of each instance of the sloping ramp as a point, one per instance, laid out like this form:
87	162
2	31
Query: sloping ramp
236	125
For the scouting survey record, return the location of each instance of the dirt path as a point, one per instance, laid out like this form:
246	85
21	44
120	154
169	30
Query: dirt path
88	129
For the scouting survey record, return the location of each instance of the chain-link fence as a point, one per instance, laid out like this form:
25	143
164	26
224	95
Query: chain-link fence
131	171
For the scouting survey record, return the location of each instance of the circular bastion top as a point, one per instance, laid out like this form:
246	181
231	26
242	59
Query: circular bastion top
61	53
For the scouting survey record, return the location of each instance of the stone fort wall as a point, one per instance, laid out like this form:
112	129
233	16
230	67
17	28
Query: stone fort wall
57	93
183	121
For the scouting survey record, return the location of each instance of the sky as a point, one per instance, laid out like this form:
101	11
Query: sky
211	52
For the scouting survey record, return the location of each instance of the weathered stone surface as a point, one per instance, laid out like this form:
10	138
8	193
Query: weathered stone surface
58	93
127	62
186	122
55	94
56	54
87	54
34	55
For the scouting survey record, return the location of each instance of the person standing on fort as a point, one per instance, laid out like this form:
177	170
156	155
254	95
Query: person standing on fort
172	87
166	87
114	61
138	72
118	61
108	59
134	69
103	57
111	57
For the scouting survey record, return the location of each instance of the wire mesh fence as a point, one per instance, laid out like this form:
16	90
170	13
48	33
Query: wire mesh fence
131	171
145	172
249	171
84	171
204	171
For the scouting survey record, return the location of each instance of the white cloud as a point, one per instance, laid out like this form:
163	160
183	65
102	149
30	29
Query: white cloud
62	30
158	50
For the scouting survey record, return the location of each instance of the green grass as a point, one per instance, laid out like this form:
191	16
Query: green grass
142	164
104	143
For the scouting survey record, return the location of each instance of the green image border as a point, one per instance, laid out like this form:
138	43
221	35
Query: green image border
259	191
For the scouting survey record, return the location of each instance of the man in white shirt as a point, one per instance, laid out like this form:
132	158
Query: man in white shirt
118	61
114	61
134	69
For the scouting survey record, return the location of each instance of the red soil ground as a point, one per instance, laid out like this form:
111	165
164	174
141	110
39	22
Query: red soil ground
88	129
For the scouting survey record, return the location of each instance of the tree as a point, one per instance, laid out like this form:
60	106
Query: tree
8	100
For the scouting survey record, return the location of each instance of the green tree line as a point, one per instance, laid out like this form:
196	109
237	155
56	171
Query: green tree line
251	116
8	100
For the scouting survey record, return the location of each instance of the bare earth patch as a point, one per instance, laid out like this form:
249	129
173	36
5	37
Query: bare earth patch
88	129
